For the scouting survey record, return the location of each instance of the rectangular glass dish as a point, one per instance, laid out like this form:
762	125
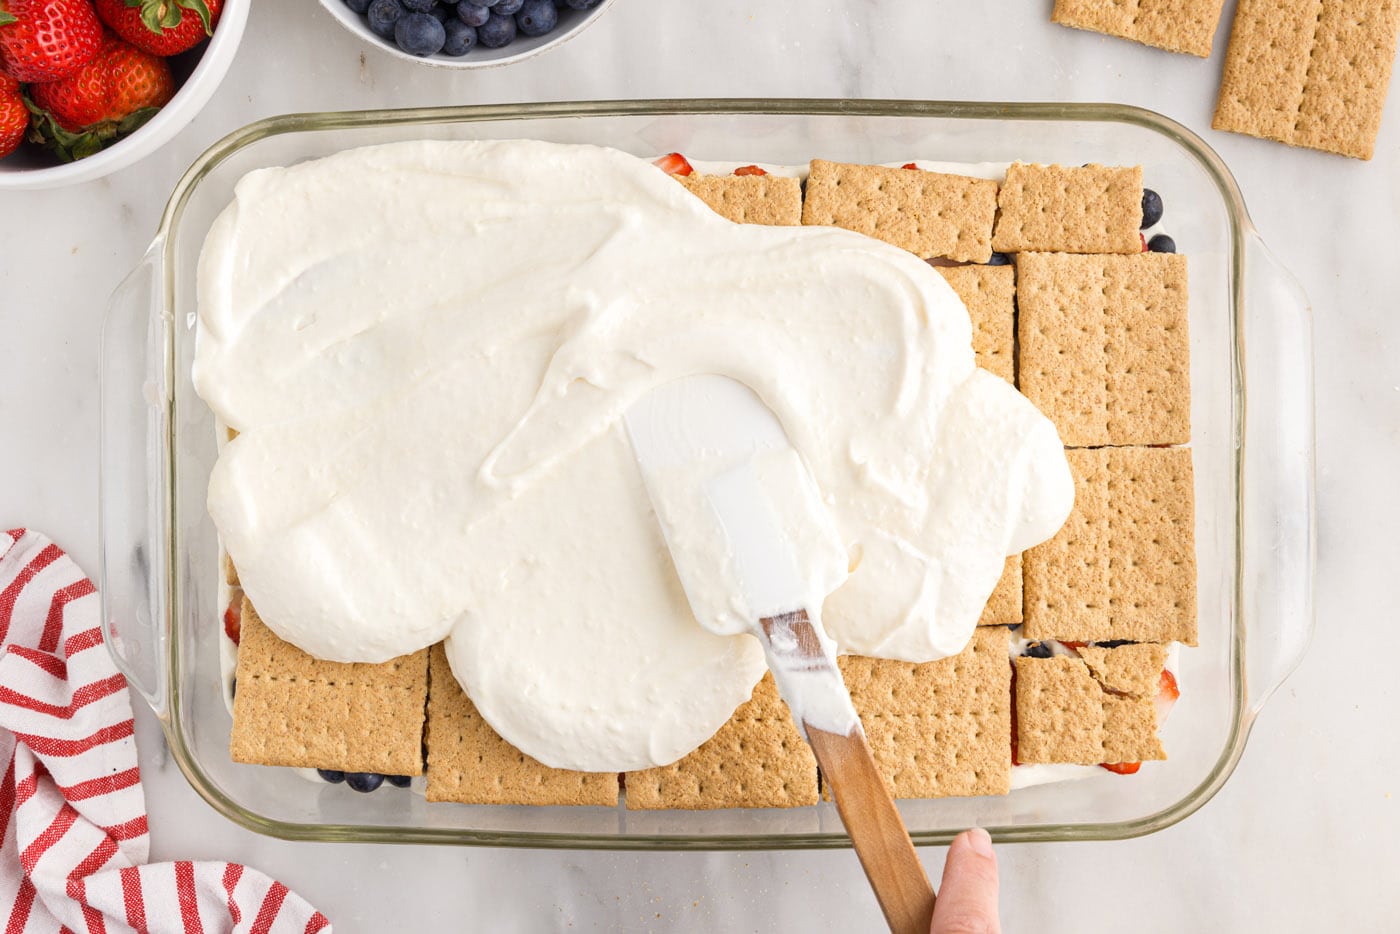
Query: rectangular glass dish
1252	440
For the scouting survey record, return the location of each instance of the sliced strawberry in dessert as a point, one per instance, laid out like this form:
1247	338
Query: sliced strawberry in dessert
750	170
908	165
233	620
1074	646
673	163
1123	768
1143	241
1167	693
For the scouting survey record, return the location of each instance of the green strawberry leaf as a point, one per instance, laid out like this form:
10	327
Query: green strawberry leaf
7	18
135	121
69	146
200	9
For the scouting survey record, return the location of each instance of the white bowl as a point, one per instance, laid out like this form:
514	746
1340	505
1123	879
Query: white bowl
571	23
17	171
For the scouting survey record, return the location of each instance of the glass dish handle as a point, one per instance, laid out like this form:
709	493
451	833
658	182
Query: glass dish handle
1278	522
133	514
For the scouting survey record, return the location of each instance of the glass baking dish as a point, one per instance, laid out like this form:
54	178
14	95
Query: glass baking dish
1252	413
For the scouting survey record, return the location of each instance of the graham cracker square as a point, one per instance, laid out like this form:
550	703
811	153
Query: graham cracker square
1104	349
292	709
1175	25
1309	73
756	760
1069	209
749	199
940	728
1064	715
989	292
469	762
1123	566
1127	669
1004	605
927	213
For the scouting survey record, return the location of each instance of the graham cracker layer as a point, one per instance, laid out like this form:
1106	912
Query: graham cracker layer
989	292
1127	669
1175	25
1123	566
295	710
749	199
1309	73
927	213
1063	209
756	760
1104	349
1064	715
1004	605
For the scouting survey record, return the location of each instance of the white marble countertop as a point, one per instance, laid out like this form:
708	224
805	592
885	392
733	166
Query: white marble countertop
1306	833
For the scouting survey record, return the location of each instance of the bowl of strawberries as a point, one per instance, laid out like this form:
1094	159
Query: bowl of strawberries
91	86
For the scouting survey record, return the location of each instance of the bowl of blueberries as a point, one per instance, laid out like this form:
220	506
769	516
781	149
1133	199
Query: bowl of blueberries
466	33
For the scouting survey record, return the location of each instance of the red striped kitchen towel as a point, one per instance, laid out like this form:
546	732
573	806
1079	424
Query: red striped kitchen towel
73	837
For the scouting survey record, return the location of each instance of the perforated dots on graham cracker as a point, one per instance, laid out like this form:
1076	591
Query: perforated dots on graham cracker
1126	669
469	762
1174	25
749	199
1064	715
927	213
939	728
1063	209
989	292
1309	73
756	760
295	710
1123	566
1104	346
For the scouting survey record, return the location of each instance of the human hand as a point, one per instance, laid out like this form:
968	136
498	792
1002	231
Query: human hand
967	897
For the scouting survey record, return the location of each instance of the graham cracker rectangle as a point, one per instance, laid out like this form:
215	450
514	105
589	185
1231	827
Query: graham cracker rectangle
1004	605
1309	73
1069	209
774	200
292	709
941	728
1123	566
1174	25
469	762
1064	715
1127	669
1104	348
927	213
756	760
989	292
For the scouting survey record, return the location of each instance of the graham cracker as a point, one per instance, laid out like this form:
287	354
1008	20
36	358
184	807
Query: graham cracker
1309	73
1069	209
1123	566
1174	25
1064	715
230	572
940	728
295	710
749	199
756	760
1104	349
1004	605
989	292
927	213
1127	669
469	762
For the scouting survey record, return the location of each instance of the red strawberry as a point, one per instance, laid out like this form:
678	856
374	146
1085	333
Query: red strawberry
233	619
1143	241
749	170
909	165
161	27
1166	687
14	116
1123	768
673	163
45	40
1076	646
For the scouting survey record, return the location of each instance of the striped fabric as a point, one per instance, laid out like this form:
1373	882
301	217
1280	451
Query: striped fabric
73	836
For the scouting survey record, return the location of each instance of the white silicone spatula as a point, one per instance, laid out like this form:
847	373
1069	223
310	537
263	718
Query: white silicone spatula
756	551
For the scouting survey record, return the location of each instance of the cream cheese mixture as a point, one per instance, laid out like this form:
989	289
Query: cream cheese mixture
428	349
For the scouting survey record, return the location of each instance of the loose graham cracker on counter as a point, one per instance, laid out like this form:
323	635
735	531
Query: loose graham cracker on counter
940	728
1064	715
1309	73
1123	566
989	292
927	213
756	760
469	763
1064	209
749	199
295	710
1175	25
1104	348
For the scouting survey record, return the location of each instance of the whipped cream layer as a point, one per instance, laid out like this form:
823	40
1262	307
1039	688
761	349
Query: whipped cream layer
428	348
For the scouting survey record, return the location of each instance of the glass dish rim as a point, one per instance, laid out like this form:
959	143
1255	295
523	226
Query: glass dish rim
1240	229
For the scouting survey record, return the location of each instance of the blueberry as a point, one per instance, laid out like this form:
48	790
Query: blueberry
399	781
442	14
999	259
382	14
364	782
1151	208
537	17
417	6
472	14
1162	244
508	7
497	31
461	38
1039	650
357	6
486	2
334	776
1113	643
578	4
420	34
